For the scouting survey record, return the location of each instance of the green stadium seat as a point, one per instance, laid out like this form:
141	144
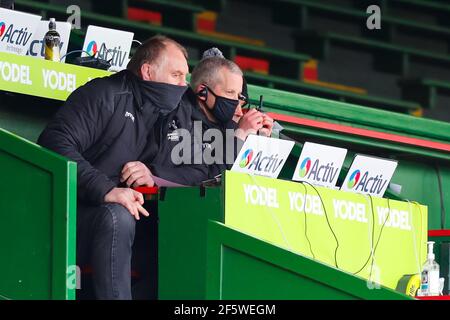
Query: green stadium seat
424	91
387	57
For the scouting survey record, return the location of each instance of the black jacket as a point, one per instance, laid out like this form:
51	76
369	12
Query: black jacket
168	137
102	126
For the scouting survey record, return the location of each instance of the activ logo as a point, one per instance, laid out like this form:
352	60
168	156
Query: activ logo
92	48
2	28
115	55
354	179
318	171
260	162
14	36
304	167
365	183
246	158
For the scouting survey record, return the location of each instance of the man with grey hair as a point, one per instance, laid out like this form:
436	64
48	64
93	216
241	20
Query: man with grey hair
211	103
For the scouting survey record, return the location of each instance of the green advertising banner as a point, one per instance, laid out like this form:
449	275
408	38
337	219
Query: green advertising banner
42	78
374	238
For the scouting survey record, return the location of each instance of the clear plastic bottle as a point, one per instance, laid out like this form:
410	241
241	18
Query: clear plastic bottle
430	274
52	42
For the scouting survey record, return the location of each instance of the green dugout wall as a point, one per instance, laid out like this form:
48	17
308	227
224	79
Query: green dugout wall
37	222
201	258
422	147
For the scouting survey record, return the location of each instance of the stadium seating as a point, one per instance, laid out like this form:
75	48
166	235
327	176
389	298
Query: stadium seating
341	95
296	13
388	57
438	9
282	63
424	91
273	67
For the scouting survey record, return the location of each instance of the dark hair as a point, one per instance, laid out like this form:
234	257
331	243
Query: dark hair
150	51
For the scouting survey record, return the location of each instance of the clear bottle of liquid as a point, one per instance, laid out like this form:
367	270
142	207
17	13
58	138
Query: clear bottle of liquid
52	42
430	274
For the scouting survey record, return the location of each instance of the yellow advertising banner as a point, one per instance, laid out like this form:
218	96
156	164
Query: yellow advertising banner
374	238
42	78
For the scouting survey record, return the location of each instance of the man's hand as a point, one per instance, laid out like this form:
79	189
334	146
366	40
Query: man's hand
136	174
267	126
250	123
130	199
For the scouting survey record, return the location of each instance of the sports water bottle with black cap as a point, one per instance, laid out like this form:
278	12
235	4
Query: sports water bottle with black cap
52	42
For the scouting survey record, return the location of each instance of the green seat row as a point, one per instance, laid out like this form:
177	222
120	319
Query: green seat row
282	63
175	14
215	5
297	86
296	13
327	93
322	92
387	57
438	9
424	91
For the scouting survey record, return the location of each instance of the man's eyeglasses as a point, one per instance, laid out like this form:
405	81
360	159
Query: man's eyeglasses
244	99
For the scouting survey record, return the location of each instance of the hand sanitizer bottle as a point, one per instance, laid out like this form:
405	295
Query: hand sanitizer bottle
430	274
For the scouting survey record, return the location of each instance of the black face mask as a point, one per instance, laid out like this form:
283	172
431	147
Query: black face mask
164	96
223	108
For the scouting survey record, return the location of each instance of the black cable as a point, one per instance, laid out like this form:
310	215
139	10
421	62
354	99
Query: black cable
75	51
306	226
373	238
442	197
379	236
328	222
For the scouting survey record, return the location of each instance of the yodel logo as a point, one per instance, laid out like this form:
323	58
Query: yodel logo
14	36
318	171
304	167
92	48
366	183
2	28
260	162
246	158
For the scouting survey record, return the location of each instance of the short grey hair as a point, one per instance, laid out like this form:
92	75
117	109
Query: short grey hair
208	71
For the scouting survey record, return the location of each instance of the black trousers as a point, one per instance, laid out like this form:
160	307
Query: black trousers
111	241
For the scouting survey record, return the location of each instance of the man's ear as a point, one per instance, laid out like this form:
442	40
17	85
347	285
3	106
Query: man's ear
202	92
147	72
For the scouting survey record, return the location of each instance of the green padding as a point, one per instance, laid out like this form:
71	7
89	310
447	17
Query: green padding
37	222
243	267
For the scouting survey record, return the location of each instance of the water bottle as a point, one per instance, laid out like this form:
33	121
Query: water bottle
52	42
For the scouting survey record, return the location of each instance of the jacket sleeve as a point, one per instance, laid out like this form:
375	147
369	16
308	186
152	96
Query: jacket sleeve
75	128
188	175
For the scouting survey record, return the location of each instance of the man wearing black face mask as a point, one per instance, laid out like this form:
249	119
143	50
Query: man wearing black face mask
105	126
210	103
